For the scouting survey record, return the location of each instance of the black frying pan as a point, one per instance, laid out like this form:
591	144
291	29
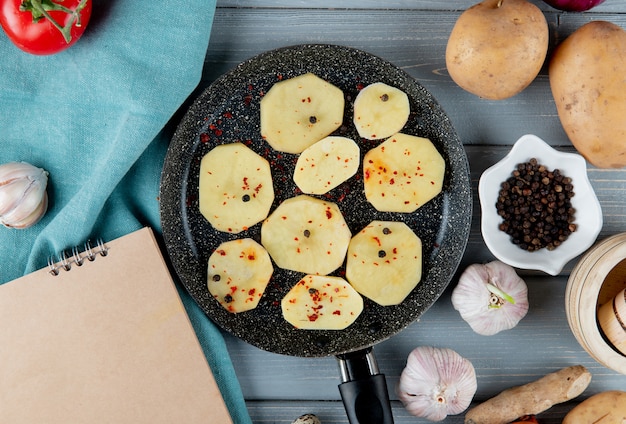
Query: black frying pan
228	111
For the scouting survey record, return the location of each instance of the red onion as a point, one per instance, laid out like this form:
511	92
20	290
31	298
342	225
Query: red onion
573	5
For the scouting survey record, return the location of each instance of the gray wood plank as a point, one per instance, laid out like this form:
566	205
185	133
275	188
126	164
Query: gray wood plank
614	6
413	34
541	343
414	40
543	336
332	412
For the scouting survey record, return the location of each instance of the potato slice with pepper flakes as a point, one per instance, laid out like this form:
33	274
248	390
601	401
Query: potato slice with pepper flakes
322	303
306	234
235	187
326	164
238	273
385	262
402	173
380	111
297	112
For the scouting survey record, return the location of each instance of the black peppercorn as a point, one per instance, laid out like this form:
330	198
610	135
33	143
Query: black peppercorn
534	204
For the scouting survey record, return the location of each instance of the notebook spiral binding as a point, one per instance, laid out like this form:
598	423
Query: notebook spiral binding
77	257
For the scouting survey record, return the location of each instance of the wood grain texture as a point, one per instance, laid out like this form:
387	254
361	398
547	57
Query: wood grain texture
541	343
414	40
332	412
446	5
413	34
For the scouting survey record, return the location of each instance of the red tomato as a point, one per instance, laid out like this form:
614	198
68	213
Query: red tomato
30	24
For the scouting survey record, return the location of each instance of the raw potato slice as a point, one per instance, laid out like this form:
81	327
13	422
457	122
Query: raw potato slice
326	164
306	234
235	188
322	303
380	111
238	273
385	262
300	111
402	173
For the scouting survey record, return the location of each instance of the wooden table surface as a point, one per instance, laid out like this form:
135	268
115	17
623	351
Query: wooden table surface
413	34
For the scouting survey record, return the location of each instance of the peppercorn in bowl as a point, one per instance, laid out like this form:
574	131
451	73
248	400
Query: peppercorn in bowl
538	208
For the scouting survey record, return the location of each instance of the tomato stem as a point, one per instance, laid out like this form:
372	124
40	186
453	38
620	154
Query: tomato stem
40	10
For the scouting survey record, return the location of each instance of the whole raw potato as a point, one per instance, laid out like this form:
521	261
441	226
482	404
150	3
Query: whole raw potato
497	48
588	81
604	407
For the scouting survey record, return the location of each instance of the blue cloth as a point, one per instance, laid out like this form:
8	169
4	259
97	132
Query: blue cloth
95	117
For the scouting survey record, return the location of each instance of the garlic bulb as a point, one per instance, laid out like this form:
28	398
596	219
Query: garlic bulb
436	382
23	197
491	297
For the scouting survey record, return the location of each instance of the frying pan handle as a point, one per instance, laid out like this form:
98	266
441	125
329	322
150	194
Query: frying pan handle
363	389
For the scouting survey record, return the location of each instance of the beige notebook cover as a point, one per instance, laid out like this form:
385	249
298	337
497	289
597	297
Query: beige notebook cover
105	342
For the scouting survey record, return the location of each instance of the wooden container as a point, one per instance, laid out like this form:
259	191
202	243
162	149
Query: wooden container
595	281
612	320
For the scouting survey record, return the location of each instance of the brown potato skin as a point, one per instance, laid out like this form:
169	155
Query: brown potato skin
589	88
497	48
602	408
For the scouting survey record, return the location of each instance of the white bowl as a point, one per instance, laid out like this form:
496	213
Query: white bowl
588	211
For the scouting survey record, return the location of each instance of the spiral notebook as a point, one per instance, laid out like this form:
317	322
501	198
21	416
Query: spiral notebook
102	336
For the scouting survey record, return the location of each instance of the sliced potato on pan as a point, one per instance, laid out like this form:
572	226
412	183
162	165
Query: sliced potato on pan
319	302
306	234
235	187
380	111
384	262
326	164
402	173
238	273
297	112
